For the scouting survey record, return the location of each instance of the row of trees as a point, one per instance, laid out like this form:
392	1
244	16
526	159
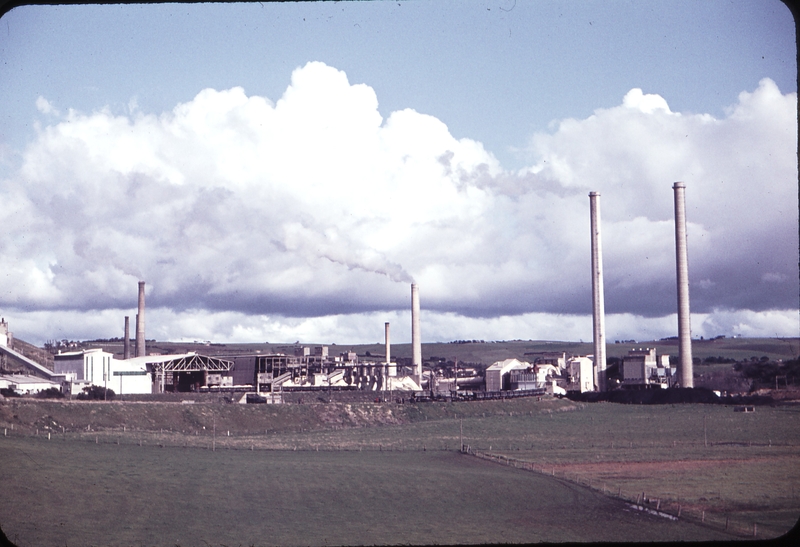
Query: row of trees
766	373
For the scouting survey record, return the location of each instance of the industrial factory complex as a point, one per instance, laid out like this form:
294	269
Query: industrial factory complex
264	377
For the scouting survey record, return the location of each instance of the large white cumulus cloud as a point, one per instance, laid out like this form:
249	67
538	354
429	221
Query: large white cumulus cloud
741	177
255	212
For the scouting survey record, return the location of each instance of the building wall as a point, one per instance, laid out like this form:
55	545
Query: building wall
69	364
26	384
494	379
3	333
126	382
99	368
633	369
244	370
581	371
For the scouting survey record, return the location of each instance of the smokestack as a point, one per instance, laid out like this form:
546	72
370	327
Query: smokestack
682	266
392	370
140	344
598	300
416	341
136	342
126	344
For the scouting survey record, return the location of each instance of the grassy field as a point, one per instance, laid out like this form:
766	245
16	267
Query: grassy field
360	473
79	493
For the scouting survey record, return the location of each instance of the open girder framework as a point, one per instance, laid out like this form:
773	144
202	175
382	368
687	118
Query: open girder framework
193	363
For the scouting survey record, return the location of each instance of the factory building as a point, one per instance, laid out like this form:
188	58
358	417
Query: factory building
555	358
498	375
643	369
307	370
89	367
580	374
25	384
139	375
4	334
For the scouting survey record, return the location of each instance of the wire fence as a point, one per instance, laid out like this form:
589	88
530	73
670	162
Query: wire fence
204	439
642	501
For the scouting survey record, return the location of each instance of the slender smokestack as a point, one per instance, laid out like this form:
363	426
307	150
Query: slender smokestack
682	265
140	345
598	300
126	343
391	370
136	342
416	341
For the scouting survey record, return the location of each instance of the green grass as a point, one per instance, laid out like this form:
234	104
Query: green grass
79	493
704	458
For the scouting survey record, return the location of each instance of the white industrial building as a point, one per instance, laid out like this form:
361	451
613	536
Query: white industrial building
546	372
4	334
97	367
580	371
25	384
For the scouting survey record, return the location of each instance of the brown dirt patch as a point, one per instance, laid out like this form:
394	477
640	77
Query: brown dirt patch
650	468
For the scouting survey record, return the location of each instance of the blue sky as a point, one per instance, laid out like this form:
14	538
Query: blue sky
523	107
495	72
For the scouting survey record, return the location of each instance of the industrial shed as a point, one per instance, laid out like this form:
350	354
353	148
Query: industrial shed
25	384
186	372
498	377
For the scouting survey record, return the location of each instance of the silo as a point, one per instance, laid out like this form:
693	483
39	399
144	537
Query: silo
598	300
682	267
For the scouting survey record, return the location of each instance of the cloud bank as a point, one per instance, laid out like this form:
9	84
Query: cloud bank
309	216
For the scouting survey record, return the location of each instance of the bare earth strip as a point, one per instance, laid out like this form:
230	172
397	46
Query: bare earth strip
740	491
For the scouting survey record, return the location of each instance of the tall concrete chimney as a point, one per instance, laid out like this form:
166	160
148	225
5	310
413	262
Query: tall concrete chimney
391	369
126	342
140	344
416	341
682	266
598	300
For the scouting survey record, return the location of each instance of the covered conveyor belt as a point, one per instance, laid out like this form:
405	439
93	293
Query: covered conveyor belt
35	368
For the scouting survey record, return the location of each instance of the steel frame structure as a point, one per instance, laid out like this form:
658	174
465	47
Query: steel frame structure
193	363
